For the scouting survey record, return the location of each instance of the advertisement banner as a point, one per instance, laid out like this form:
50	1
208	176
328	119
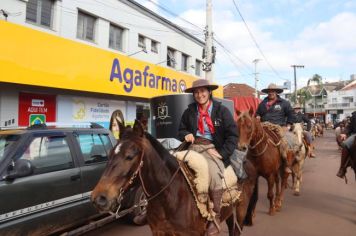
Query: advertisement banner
36	108
81	109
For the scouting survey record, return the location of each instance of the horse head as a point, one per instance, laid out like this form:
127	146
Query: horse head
298	131
125	161
246	127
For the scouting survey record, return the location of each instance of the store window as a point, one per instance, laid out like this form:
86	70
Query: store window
86	26
185	58
40	12
198	67
116	37
171	61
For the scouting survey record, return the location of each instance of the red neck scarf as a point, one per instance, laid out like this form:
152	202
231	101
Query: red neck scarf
205	114
270	103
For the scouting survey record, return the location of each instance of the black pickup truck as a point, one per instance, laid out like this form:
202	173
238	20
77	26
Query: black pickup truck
47	175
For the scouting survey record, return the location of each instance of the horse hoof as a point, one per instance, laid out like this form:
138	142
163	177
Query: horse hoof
296	193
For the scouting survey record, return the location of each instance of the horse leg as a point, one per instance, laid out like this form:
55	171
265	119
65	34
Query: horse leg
230	224
297	171
277	201
270	195
250	214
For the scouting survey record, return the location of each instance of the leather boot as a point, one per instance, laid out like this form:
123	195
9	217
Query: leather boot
343	165
214	226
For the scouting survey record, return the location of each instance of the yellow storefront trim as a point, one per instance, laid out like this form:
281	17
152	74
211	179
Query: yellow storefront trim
32	57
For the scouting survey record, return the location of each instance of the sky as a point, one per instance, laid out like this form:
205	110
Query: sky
319	34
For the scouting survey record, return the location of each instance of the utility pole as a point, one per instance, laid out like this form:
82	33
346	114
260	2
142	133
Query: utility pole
295	80
209	50
256	76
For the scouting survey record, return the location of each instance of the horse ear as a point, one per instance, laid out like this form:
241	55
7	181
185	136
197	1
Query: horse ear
251	112
138	128
121	127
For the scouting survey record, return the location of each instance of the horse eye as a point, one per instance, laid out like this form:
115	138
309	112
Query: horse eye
130	157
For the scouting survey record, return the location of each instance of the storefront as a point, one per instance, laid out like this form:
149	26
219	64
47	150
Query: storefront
46	78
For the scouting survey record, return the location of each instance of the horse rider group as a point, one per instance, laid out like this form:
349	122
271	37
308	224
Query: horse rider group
207	122
277	110
349	134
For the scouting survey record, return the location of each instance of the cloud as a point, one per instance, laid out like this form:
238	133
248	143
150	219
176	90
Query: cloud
325	45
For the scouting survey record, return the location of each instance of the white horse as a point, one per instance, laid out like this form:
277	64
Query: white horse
299	160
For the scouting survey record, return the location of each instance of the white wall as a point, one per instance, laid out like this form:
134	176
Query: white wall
9	105
121	14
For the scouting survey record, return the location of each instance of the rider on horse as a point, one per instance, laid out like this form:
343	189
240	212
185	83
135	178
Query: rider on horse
278	111
208	122
302	118
347	144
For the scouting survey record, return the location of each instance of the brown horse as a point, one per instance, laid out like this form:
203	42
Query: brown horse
171	208
264	155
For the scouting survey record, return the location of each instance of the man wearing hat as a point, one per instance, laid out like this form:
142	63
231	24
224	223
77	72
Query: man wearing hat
302	118
208	122
276	110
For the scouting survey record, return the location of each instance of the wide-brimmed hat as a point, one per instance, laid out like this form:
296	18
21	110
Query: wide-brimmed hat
297	106
272	87
201	83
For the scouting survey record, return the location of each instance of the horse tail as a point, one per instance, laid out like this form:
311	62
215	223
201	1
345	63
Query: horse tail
252	206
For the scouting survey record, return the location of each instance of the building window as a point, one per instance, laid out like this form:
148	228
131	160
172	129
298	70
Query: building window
198	67
154	46
141	42
171	61
116	37
184	62
40	12
86	26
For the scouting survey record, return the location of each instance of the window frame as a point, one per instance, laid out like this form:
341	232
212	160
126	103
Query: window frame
154	46
43	170
185	62
116	27
143	43
198	67
40	13
84	35
171	59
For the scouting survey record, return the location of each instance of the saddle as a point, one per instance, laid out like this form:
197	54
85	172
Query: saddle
195	169
275	132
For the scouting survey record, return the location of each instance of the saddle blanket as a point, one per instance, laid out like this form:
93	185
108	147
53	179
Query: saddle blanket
191	161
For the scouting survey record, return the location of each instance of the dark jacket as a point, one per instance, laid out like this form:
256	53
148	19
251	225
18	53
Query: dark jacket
302	118
351	129
225	137
279	113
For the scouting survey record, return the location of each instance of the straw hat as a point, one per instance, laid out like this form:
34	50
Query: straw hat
201	83
297	106
272	87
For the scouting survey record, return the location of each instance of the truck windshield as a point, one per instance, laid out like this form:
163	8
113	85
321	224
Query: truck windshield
5	143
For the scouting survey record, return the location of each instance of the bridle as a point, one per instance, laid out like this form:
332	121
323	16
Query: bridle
132	178
259	141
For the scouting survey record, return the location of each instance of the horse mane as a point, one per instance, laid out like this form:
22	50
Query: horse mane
163	152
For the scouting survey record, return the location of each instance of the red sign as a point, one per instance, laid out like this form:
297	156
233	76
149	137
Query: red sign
36	107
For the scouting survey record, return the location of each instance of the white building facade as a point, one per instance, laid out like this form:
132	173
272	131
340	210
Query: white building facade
89	32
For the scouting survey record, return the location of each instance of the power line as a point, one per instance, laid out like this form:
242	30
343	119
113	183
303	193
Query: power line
254	40
227	51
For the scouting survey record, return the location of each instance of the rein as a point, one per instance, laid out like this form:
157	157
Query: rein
260	141
134	175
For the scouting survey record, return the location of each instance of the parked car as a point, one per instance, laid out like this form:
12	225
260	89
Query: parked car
47	175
